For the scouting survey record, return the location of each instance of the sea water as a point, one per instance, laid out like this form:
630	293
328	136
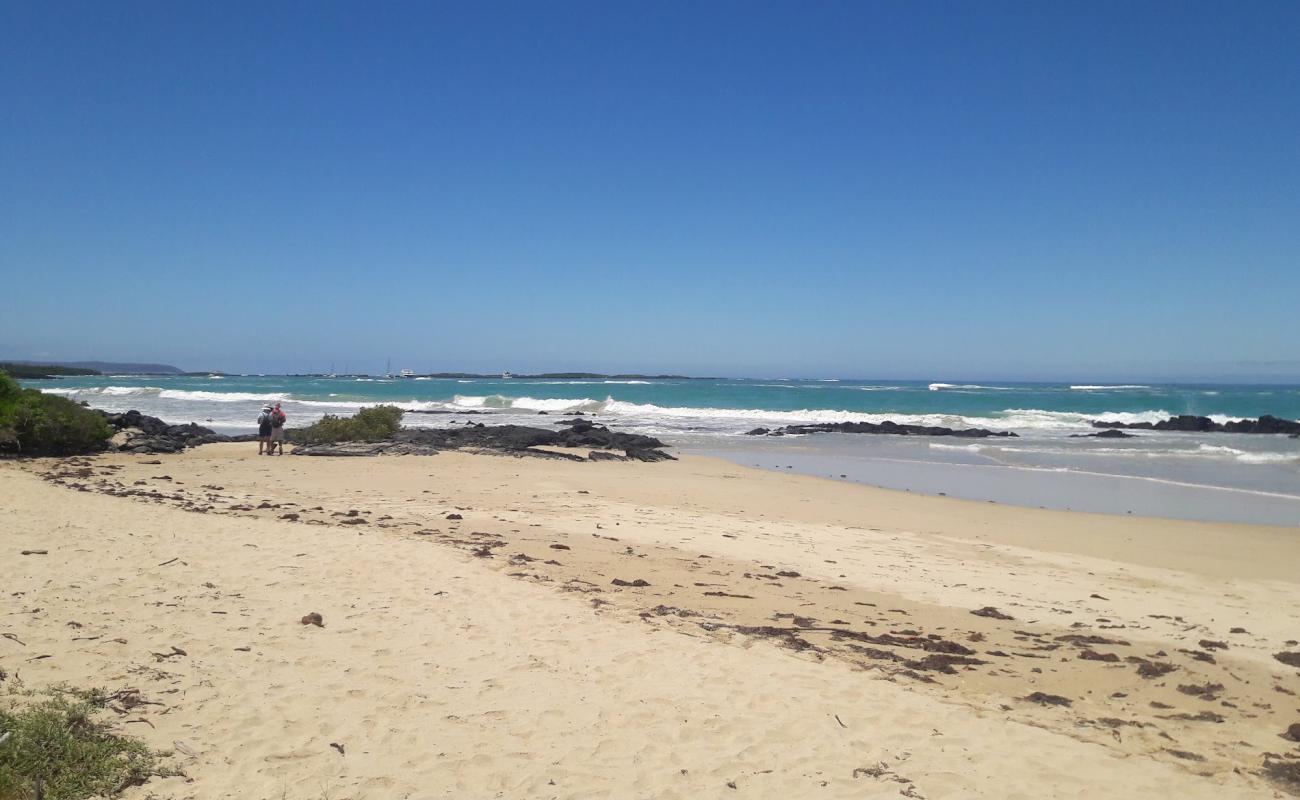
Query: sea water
1213	476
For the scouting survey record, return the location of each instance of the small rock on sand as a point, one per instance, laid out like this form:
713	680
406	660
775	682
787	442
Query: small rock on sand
1048	699
1290	659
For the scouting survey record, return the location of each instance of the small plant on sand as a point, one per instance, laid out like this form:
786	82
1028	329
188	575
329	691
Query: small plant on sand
35	423
367	425
53	747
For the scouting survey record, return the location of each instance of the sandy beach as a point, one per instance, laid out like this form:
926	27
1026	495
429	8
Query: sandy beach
519	627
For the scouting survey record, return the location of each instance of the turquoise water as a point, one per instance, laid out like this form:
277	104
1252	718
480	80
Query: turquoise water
997	404
1215	476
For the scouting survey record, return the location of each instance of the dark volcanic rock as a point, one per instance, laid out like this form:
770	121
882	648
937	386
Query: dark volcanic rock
146	434
1290	659
886	427
1111	433
1045	699
1192	424
512	439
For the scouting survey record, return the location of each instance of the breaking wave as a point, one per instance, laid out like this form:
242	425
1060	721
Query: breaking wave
502	402
1246	456
941	387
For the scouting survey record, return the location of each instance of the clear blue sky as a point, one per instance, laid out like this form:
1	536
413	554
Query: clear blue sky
909	189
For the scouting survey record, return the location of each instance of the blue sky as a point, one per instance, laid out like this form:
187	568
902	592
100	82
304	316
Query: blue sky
910	189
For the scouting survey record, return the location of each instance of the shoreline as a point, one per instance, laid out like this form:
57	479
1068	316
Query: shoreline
1028	487
1056	461
859	595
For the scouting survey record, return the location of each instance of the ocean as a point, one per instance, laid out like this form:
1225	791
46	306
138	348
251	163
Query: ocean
1211	476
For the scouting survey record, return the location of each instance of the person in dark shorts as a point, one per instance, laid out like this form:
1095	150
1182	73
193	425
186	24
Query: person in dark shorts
264	428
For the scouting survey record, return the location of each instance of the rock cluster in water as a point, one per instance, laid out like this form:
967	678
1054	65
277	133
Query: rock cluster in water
1193	424
886	427
1110	433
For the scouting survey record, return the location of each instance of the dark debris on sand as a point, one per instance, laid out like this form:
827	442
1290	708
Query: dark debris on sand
1043	698
1290	659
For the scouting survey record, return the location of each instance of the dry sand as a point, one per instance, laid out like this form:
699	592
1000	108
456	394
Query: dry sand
798	637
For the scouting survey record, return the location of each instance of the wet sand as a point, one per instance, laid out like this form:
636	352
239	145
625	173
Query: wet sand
499	626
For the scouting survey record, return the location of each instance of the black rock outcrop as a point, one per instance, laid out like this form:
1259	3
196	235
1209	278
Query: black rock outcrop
511	439
1112	433
1189	423
146	434
886	427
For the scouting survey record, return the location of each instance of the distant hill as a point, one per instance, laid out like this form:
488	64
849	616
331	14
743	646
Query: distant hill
110	367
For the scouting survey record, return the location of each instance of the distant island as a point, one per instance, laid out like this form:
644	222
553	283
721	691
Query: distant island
570	376
22	369
66	368
499	376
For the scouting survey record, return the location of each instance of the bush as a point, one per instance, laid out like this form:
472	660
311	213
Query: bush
35	423
367	425
55	748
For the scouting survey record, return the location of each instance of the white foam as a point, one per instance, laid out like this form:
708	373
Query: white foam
333	404
220	397
103	391
1247	456
1048	420
1268	458
939	387
1219	450
499	401
1091	388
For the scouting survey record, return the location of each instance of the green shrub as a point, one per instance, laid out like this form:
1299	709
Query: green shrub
55	748
35	423
367	425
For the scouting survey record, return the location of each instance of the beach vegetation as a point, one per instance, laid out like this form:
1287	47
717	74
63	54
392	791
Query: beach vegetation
54	745
367	425
35	423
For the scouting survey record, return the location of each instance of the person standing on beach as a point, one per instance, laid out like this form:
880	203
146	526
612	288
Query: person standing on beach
264	430
278	419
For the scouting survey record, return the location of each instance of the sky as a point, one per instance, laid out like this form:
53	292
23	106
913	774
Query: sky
861	189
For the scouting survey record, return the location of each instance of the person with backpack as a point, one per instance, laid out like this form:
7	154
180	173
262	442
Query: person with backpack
278	419
264	430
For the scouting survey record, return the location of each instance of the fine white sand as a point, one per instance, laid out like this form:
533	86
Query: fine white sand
455	661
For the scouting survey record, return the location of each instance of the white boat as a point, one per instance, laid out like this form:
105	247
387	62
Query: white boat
505	376
406	373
